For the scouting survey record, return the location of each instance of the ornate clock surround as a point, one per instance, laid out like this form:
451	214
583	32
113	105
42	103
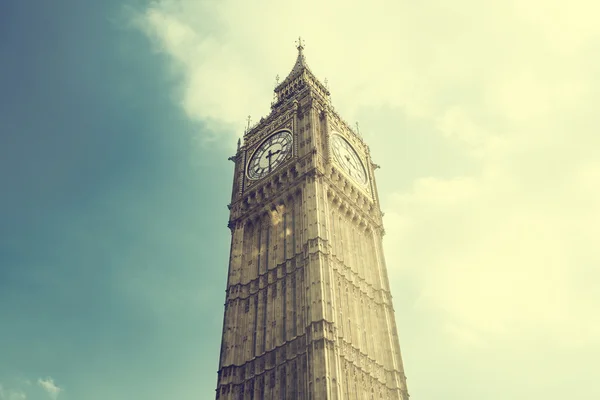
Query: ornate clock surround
280	139
257	136
352	161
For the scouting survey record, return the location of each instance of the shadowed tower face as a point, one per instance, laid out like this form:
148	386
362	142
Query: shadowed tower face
308	311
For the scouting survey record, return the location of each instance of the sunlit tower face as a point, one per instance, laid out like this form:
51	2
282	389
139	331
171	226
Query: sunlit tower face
308	310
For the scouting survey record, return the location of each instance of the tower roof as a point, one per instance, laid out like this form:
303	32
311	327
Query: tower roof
300	64
299	68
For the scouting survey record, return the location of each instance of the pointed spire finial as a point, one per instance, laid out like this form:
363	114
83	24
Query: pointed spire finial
357	129
277	80
300	45
248	127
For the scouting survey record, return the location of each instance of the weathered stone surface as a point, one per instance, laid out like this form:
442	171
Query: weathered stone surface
308	310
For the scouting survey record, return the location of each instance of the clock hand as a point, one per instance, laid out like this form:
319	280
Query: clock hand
349	165
270	155
350	161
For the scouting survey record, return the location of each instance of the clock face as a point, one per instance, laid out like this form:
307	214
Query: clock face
270	154
347	158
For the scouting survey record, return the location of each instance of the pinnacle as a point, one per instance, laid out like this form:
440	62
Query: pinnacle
300	64
299	67
285	89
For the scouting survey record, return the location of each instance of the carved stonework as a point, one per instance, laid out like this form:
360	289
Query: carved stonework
308	307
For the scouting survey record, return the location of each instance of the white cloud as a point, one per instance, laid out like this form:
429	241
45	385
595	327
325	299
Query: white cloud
491	75
17	395
507	252
502	260
11	394
50	387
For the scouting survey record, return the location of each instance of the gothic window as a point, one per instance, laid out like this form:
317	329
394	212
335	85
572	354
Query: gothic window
341	239
294	322
349	329
258	248
261	387
272	379
268	227
247	305
282	381
333	231
264	323
294	378
293	230
285	234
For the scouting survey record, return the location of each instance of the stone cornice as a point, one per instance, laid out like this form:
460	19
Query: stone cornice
244	291
357	206
257	366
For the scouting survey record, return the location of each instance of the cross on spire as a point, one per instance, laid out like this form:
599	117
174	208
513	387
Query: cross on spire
300	44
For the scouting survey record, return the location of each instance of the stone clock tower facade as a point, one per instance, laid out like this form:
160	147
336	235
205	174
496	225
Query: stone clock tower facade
308	310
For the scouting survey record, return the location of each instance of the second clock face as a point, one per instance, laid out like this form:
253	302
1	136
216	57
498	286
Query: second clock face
347	158
270	154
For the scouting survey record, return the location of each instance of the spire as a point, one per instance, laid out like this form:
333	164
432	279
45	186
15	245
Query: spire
299	45
299	68
300	62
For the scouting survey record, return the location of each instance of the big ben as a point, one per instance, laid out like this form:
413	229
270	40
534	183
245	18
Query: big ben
308	309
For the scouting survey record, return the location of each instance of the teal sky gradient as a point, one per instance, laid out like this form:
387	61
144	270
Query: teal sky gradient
113	237
116	122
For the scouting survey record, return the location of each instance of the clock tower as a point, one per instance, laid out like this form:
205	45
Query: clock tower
308	309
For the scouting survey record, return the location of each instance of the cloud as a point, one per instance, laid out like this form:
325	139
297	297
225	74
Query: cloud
17	395
217	82
11	394
505	252
503	263
50	387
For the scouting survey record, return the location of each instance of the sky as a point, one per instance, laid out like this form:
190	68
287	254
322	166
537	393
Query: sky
116	122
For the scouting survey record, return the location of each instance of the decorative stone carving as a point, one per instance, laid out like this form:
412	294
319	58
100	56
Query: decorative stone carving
305	264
